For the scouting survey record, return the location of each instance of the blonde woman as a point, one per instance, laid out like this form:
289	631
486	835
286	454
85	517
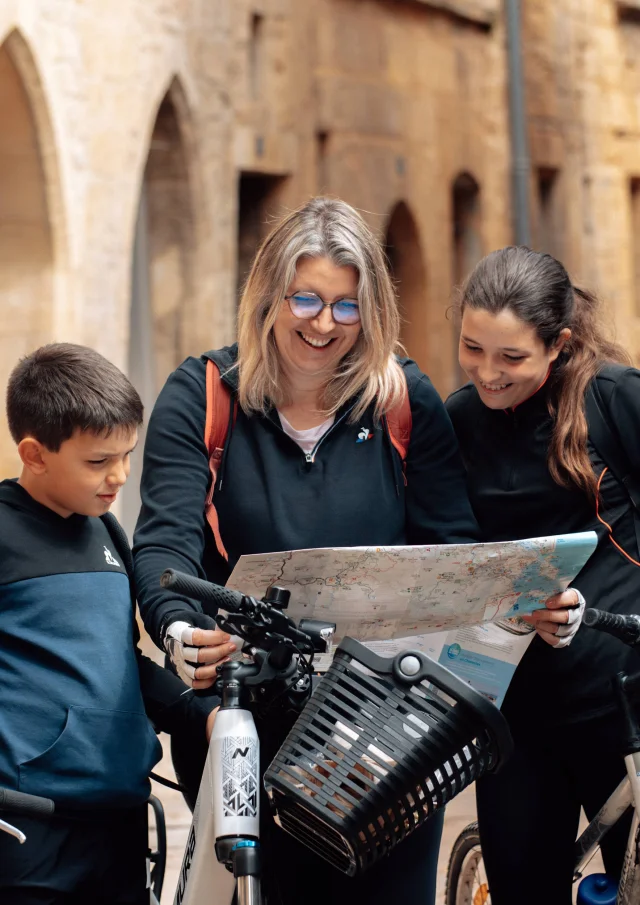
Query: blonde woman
308	462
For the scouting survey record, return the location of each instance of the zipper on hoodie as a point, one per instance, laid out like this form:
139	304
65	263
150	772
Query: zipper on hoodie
311	457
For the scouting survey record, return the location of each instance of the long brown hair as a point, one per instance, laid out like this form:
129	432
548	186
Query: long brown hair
538	290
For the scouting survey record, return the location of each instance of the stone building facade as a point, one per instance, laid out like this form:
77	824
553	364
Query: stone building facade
145	145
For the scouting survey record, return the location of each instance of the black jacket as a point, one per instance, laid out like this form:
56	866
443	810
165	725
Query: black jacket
514	496
271	498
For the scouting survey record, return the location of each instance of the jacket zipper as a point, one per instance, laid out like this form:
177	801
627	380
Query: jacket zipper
310	457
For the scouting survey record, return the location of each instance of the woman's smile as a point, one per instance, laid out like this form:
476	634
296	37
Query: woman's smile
313	347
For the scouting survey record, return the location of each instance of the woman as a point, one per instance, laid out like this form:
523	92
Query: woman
531	345
313	372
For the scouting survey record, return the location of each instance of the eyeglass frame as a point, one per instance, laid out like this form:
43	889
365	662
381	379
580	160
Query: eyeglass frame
288	298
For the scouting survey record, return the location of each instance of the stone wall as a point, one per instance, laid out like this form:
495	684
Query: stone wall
146	145
216	116
582	65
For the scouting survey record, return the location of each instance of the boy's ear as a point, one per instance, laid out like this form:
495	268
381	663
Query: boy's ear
31	452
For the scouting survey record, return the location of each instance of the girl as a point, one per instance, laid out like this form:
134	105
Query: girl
531	345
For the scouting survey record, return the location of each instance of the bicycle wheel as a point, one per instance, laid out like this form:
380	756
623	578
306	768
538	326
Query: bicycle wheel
466	882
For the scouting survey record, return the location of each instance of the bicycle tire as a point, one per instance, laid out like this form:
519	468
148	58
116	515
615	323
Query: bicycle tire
458	885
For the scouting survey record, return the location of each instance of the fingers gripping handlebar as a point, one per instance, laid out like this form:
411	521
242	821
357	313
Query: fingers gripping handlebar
260	622
281	653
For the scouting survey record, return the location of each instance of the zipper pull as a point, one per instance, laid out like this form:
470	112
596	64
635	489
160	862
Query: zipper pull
309	458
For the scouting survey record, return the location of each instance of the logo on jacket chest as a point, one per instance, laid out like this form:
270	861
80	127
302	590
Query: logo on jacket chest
363	434
110	558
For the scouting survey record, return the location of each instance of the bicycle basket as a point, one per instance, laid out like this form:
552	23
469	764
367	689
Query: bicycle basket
382	744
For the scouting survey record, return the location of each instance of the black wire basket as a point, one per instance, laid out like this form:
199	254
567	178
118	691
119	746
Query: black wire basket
381	746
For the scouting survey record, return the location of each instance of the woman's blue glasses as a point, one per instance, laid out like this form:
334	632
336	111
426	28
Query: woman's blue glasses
307	305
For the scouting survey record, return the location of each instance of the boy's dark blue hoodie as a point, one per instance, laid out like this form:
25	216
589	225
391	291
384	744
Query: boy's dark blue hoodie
73	725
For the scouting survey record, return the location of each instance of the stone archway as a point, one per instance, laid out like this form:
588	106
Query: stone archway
161	278
164	244
26	241
467	247
404	252
467	240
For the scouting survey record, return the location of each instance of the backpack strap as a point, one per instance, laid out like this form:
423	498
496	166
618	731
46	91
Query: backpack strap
219	421
607	442
399	422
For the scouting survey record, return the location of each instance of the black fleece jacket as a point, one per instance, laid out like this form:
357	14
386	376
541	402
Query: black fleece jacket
514	496
269	497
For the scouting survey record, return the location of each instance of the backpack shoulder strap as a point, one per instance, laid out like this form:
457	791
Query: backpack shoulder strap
399	424
220	418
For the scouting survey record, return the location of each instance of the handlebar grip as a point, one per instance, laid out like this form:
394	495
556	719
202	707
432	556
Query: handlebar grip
197	589
625	628
21	803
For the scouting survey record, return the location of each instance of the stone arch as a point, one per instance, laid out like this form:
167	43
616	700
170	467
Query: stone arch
162	267
27	236
467	239
467	245
163	244
404	251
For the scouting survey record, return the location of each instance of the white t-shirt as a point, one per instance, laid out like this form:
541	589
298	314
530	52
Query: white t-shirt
306	439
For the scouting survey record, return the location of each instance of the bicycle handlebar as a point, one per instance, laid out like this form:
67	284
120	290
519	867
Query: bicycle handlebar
21	803
625	628
221	598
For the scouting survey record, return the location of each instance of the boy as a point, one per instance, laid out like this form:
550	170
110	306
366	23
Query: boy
73	725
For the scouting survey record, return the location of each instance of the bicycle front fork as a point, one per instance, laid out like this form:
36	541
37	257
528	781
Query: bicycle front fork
246	870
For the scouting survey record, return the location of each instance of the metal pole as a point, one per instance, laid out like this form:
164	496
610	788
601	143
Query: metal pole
521	164
248	890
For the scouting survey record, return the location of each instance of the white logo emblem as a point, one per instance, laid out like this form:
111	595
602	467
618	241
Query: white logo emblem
111	561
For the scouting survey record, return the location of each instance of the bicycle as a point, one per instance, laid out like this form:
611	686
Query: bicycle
466	881
380	745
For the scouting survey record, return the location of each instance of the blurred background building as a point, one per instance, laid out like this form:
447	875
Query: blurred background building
146	145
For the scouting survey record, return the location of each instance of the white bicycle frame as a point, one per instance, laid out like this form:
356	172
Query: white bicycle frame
626	794
227	808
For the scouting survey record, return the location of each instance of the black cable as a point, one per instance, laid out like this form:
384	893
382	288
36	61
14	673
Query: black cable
167	782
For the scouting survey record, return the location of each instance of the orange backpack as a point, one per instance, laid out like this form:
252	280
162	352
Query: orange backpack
220	420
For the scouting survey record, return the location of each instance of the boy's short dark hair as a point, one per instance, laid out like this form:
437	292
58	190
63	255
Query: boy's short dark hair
61	388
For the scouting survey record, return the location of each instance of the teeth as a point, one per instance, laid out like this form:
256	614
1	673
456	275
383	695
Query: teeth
314	341
497	386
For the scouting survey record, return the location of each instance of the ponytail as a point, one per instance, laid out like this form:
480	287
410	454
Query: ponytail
578	363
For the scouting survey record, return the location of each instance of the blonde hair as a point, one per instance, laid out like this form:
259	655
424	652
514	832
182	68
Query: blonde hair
326	228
